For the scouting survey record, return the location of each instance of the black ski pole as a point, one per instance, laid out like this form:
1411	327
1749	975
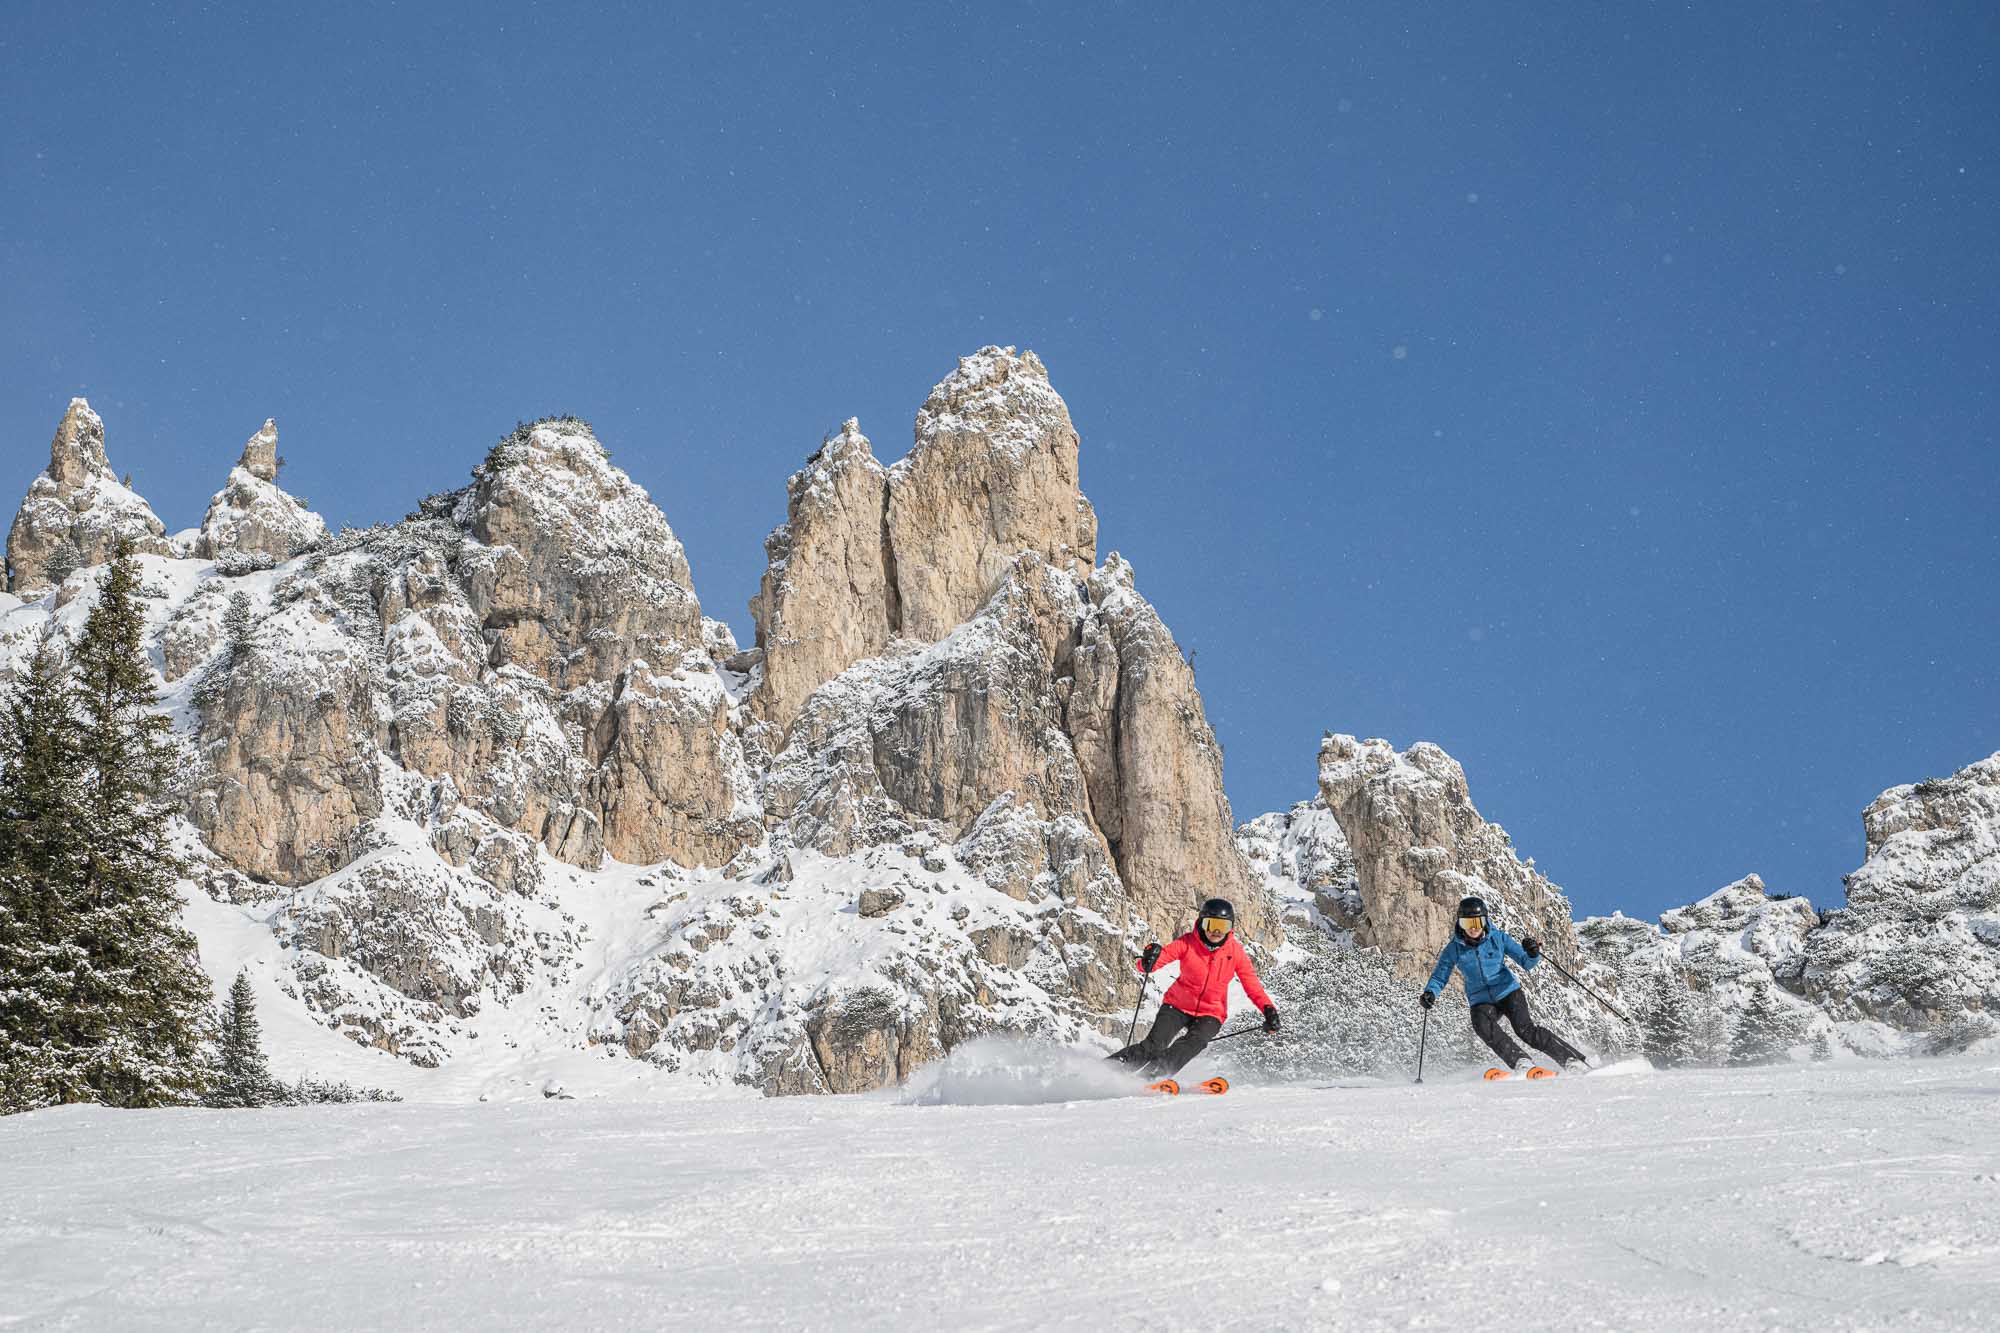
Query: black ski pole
1588	991
1240	1032
1136	1006
1422	1042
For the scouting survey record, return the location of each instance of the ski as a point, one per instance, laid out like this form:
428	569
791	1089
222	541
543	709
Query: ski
1498	1073
1540	1072
1218	1086
1166	1086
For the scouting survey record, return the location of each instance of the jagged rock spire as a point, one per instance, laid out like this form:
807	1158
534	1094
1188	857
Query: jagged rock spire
252	514
828	597
260	452
868	554
993	473
77	510
1420	845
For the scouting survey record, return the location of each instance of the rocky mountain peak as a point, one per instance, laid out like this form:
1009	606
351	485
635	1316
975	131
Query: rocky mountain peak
1966	802
251	514
77	510
581	572
260	452
999	398
867	555
77	452
992	473
1917	948
828	597
1420	845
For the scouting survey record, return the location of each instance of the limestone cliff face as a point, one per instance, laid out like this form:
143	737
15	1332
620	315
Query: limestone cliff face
828	597
76	511
1420	845
993	473
867	554
533	641
871	558
1152	763
576	573
252	515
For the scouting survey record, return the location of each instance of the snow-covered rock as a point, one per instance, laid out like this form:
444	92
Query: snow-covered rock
487	780
1420	845
1917	948
1730	960
993	473
77	510
251	514
1304	864
1355	939
1910	964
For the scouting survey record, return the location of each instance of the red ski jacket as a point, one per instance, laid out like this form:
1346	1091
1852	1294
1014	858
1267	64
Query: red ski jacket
1203	985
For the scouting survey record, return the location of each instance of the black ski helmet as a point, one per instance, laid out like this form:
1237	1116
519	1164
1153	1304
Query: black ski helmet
1217	909
1470	907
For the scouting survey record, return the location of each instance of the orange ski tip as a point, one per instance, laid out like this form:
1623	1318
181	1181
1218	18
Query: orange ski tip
1217	1085
1492	1074
1539	1072
1165	1085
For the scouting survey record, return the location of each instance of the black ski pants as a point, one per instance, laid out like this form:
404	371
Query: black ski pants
1514	1008
1158	1053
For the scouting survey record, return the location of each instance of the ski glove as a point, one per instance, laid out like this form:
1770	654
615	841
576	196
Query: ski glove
1270	1018
1150	957
1426	999
1531	947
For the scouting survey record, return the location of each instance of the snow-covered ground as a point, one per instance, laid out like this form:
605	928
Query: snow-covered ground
1842	1195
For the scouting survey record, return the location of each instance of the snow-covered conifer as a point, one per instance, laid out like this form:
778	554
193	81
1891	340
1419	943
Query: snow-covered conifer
242	1077
1669	1021
140	1005
237	628
41	852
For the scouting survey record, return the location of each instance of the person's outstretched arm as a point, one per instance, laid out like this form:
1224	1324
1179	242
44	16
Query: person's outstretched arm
1517	953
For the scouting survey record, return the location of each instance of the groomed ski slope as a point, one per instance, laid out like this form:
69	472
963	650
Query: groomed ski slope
1851	1195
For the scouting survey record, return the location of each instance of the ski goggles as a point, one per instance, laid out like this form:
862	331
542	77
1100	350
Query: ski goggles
1216	925
1472	925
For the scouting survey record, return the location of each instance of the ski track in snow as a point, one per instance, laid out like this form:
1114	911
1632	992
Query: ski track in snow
1835	1196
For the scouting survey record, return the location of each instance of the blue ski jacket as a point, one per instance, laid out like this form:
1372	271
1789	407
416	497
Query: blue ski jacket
1484	966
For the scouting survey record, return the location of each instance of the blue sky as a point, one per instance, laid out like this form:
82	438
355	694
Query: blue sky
1605	394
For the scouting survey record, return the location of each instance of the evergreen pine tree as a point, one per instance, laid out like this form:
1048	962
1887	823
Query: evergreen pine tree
237	628
242	1076
1764	1030
1669	1021
41	858
1713	1031
141	1007
63	561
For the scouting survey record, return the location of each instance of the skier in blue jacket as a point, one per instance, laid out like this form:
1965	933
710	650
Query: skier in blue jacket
1480	952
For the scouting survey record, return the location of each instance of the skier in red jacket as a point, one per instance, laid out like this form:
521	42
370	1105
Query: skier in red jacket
1195	1005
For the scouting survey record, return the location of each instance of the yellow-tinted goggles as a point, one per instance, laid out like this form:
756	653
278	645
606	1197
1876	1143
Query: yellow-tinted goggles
1216	925
1472	925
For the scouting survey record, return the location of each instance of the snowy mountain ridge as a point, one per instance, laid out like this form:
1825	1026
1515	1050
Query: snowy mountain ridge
486	802
484	790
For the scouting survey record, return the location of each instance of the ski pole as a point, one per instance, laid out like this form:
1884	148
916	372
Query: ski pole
1240	1032
1588	991
1137	1005
1422	1042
